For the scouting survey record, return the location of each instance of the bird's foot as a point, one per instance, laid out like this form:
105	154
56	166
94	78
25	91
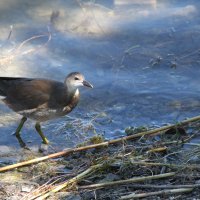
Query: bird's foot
43	148
45	140
21	142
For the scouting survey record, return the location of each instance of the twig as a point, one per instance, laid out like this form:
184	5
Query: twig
69	151
192	166
162	186
10	33
86	15
42	189
70	182
33	38
8	37
162	192
16	50
132	180
156	150
180	141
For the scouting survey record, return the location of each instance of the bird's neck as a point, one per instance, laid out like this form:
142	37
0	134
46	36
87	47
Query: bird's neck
73	98
73	91
76	93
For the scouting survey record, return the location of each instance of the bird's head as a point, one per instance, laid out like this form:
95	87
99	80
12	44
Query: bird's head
75	80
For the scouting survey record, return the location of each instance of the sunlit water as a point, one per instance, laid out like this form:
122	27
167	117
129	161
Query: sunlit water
141	56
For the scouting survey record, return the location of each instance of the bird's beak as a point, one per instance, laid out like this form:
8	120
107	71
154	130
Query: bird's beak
87	84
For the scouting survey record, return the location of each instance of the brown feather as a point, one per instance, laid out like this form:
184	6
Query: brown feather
23	95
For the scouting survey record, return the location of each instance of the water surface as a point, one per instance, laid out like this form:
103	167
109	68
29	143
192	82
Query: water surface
141	56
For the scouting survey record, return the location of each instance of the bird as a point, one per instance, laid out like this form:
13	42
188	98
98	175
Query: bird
41	99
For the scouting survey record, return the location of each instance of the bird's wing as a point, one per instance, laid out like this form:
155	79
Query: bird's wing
24	94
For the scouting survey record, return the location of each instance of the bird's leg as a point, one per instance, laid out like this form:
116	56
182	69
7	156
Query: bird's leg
38	129
17	132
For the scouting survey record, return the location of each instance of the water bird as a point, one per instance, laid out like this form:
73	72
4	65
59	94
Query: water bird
41	99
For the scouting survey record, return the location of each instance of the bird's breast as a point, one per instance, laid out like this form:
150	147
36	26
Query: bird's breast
72	102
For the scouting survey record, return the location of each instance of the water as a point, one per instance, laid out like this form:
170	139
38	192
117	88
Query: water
141	56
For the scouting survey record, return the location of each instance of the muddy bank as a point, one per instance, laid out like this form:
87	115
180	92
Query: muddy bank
161	165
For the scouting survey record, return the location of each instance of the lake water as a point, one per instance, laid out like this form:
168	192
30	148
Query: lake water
142	57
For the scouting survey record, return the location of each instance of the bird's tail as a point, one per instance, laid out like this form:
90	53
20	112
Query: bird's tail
6	83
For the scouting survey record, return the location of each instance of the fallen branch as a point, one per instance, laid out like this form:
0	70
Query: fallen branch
132	180
69	151
163	192
54	155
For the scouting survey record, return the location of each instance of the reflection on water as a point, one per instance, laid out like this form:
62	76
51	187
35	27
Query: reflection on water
141	56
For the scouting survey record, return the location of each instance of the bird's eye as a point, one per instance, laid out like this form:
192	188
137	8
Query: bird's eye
76	78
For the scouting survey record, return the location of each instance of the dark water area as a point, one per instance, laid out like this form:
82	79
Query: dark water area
141	56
